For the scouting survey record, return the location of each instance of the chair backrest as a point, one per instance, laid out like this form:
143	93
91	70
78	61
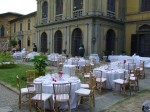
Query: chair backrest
18	83
30	75
87	68
61	88
38	89
121	65
131	66
142	63
99	74
130	60
93	84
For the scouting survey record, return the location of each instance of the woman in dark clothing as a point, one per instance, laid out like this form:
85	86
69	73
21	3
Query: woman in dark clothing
81	51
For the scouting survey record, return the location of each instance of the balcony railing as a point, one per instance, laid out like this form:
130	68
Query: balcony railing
111	14
44	20
20	33
78	13
58	17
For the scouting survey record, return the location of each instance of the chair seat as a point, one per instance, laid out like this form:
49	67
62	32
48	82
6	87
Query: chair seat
24	90
31	89
62	97
120	81
83	91
87	75
133	78
132	75
44	97
85	86
100	80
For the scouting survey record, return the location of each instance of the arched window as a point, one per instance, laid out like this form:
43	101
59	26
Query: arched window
111	8
28	24
77	4
2	30
144	27
58	42
45	10
76	41
59	7
145	5
14	27
110	41
21	26
43	42
59	10
28	41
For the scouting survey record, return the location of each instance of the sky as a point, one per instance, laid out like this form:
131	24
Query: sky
18	6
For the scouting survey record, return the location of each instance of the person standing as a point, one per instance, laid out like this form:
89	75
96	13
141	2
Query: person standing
34	48
81	51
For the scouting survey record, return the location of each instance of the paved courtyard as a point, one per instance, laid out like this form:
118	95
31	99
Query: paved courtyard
9	98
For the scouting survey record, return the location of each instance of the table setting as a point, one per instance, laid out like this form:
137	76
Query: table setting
60	77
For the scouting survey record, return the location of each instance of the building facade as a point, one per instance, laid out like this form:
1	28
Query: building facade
112	26
137	27
5	29
66	24
23	31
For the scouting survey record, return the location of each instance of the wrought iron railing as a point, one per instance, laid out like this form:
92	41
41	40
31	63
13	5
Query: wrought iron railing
58	17
78	13
111	14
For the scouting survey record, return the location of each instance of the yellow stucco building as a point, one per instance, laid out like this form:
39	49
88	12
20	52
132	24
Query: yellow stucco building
137	27
100	25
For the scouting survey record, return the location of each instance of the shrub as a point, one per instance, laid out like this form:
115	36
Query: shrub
6	60
40	63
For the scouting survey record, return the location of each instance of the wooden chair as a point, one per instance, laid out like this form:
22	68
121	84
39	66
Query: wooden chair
131	68
87	93
30	75
86	72
38	98
141	69
23	92
133	81
122	83
100	81
62	93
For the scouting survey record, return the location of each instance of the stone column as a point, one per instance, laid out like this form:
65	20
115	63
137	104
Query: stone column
86	39
89	43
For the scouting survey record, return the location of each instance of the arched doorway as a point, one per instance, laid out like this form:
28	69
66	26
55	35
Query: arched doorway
43	42
110	41
58	42
19	44
76	41
140	42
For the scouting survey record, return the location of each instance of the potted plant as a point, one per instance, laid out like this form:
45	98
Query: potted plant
40	63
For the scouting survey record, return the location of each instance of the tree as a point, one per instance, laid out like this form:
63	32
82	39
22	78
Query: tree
13	42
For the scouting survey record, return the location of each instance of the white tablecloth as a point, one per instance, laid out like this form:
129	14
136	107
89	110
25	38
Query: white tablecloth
47	85
110	73
69	69
20	54
136	59
95	56
32	54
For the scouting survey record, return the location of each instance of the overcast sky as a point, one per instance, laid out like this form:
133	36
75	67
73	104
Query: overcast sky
18	6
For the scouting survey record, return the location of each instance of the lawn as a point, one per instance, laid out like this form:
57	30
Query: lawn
8	75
